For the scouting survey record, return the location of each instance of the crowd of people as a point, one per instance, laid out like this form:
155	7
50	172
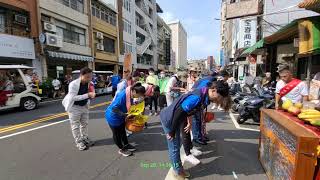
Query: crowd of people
182	99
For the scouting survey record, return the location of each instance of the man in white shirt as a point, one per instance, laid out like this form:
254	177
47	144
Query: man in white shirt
56	87
28	75
298	94
171	87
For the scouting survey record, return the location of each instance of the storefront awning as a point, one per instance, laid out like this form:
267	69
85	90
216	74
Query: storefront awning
70	56
313	5
284	33
251	49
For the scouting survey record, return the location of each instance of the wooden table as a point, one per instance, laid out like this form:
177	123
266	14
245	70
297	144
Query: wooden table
287	147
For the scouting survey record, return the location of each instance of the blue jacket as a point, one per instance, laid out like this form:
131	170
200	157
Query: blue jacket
115	80
204	82
115	112
190	103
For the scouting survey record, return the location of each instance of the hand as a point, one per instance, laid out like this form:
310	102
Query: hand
187	128
169	137
91	95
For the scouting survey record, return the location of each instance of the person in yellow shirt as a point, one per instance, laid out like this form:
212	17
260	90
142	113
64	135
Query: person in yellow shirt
153	82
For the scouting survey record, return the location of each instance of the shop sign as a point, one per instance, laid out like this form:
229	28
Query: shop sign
16	47
248	32
127	64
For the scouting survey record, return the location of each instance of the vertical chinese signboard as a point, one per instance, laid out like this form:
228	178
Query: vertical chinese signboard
248	32
127	63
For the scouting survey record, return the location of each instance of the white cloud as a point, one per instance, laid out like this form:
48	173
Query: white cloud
168	17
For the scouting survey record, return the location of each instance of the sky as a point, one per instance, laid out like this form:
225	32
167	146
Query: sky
197	17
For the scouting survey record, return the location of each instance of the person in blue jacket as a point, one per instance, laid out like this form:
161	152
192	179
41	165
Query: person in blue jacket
174	117
116	115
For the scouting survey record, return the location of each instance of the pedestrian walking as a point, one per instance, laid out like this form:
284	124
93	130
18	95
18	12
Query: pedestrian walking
174	118
116	115
67	81
56	84
76	103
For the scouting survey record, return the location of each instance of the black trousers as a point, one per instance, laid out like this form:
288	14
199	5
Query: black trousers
114	90
162	101
186	139
180	121
153	100
120	136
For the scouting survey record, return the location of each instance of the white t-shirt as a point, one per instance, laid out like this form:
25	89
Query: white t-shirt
56	84
295	95
171	83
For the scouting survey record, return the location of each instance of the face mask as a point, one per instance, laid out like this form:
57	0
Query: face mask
162	75
151	73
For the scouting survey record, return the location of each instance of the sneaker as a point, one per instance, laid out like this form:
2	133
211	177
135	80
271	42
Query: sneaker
182	175
88	142
191	159
81	146
156	113
195	152
130	148
206	139
151	114
125	152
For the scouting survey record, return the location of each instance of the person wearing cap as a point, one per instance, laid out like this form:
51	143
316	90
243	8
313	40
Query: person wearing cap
174	119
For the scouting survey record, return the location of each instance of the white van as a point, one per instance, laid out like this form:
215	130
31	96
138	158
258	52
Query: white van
20	94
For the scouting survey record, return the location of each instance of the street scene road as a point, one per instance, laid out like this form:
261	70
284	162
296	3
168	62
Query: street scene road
49	152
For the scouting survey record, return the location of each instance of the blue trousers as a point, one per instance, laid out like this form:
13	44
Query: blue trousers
196	126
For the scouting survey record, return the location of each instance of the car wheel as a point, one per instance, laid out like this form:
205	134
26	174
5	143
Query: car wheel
241	120
29	103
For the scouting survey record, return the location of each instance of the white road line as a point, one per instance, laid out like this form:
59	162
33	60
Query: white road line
234	175
238	126
33	129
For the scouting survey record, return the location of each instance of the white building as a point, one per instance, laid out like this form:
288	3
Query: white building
179	44
140	33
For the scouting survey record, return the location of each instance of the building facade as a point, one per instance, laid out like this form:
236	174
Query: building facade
164	45
105	37
18	33
66	36
179	44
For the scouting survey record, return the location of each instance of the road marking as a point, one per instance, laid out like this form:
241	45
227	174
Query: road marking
33	129
234	175
238	126
22	125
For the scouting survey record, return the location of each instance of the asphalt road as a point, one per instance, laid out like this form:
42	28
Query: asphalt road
42	148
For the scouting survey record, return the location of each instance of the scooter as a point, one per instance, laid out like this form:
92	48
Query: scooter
250	110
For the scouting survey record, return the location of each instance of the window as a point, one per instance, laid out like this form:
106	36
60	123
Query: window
45	18
127	47
2	23
127	26
70	33
74	4
109	45
127	5
104	14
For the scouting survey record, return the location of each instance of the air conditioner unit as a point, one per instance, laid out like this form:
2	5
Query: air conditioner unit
49	27
99	35
100	47
53	40
22	19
